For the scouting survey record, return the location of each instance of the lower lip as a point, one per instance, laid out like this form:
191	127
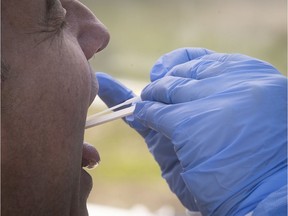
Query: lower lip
86	182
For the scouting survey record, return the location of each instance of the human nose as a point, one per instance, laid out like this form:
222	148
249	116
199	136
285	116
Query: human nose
91	34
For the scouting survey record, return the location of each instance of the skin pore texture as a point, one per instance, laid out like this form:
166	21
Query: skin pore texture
47	86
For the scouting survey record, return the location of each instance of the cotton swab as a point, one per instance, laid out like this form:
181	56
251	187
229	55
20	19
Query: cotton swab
103	117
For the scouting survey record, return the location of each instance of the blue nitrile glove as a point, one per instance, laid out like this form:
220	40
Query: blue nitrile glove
229	139
111	91
225	118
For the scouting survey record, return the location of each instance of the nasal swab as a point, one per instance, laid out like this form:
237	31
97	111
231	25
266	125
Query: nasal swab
103	117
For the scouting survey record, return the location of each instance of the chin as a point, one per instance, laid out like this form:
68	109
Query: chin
85	189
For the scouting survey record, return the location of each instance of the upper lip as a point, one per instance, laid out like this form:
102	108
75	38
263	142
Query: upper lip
94	86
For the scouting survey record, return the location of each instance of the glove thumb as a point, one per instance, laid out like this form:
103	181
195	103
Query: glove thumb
111	91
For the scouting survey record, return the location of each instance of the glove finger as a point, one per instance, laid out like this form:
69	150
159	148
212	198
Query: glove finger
160	117
172	90
203	77
220	63
179	56
111	91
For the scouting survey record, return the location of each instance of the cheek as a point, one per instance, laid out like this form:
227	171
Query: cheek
74	77
65	78
75	80
54	80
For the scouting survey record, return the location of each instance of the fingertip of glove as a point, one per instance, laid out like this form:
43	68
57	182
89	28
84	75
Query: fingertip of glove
106	83
111	91
158	71
99	74
103	76
196	52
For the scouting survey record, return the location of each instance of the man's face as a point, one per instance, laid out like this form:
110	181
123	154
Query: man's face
47	86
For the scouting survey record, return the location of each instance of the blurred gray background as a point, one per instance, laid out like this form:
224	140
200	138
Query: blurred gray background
142	31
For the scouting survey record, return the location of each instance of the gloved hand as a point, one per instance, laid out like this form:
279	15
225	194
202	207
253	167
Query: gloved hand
216	124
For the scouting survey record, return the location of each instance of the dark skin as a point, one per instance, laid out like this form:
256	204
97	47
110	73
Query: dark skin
47	86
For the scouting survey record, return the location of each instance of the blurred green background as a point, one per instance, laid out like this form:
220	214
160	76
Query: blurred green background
142	31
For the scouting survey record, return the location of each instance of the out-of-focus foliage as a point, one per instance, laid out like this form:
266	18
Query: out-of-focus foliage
141	31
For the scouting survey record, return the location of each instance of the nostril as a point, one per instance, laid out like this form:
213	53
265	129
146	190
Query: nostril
106	39
90	33
93	38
